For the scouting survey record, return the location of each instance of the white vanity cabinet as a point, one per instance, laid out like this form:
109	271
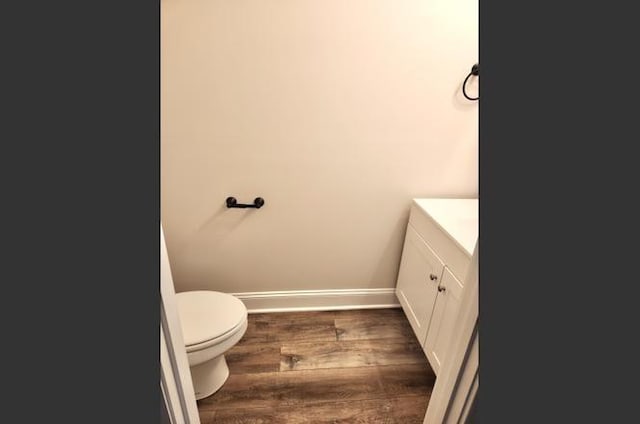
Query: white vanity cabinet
444	314
439	242
417	288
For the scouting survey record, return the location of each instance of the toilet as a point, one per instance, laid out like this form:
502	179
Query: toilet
212	323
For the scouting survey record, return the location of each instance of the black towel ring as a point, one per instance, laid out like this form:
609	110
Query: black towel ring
474	71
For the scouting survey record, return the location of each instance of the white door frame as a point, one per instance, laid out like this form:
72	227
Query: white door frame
458	380
175	377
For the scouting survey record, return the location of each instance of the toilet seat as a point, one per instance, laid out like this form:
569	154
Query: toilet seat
242	326
209	317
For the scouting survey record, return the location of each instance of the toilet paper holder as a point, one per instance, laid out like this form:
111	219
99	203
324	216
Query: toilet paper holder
258	202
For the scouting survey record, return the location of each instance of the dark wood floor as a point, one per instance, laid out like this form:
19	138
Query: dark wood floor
361	366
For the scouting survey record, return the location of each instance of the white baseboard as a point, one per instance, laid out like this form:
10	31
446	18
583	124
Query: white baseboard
318	300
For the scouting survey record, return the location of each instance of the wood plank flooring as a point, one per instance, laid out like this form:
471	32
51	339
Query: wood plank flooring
357	366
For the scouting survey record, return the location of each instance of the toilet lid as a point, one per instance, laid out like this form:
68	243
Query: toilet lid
205	315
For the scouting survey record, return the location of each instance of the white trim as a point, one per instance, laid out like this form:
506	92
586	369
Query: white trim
466	387
169	385
453	388
175	381
464	415
318	300
166	415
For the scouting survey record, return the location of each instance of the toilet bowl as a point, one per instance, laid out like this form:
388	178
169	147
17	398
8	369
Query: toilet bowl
212	323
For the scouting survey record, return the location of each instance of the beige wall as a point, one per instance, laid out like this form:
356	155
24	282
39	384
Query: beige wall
336	112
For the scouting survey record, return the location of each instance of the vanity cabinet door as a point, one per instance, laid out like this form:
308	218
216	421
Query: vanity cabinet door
418	278
444	314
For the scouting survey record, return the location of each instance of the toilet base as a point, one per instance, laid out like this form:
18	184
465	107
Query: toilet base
209	376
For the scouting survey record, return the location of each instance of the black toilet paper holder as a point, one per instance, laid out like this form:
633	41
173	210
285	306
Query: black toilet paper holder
258	202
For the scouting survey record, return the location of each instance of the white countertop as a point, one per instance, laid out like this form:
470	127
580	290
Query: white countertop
458	217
